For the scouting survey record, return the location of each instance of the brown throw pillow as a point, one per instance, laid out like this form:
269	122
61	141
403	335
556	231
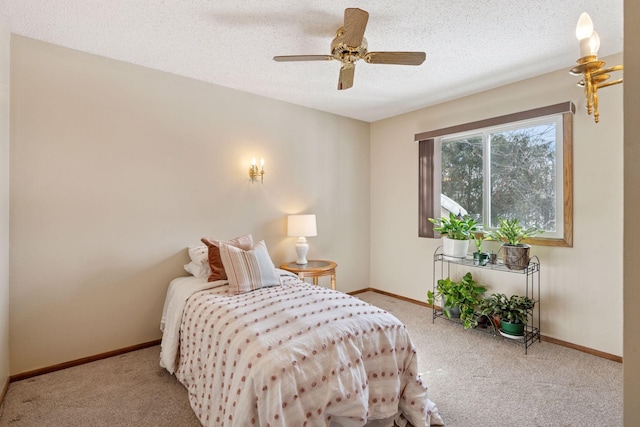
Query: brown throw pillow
215	261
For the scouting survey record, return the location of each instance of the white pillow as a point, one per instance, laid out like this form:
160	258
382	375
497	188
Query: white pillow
248	270
199	265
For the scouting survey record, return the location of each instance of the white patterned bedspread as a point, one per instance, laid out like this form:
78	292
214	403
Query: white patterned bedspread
297	355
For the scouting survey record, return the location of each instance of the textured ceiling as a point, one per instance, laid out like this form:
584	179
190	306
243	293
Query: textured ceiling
471	45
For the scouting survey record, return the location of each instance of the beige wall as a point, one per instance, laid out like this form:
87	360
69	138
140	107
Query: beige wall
4	202
631	206
116	168
581	286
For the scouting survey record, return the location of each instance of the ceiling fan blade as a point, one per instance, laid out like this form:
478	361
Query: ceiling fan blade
400	58
290	58
355	22
346	76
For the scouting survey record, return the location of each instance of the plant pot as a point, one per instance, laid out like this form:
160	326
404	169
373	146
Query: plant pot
454	250
516	257
480	258
484	322
454	312
496	321
515	329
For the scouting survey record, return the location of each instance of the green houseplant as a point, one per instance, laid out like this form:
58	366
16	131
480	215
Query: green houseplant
464	295
479	256
456	231
513	311
511	233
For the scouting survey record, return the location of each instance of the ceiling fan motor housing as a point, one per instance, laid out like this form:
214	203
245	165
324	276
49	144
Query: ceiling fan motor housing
344	53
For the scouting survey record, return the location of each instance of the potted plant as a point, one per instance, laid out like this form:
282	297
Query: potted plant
511	233
513	312
459	299
456	231
479	256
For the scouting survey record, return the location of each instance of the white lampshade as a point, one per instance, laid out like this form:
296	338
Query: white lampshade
301	225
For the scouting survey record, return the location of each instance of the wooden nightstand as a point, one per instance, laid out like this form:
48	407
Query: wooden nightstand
314	268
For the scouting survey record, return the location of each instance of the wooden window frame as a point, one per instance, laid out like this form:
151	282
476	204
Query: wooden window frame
429	169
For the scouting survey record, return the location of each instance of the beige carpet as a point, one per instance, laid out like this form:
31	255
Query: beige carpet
476	380
126	390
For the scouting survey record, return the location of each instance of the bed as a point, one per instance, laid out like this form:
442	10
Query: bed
293	354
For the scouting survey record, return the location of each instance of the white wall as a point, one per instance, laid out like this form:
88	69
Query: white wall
631	206
581	286
4	202
116	168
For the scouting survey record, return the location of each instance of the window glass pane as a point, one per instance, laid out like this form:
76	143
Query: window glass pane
462	174
523	176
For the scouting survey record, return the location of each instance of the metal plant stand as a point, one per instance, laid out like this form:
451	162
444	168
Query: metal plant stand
532	290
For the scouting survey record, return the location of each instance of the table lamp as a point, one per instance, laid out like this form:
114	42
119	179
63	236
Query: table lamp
302	226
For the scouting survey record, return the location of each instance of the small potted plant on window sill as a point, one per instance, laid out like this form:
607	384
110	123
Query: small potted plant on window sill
511	233
456	232
458	299
513	312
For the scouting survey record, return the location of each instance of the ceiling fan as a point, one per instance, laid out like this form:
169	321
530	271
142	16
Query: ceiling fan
349	46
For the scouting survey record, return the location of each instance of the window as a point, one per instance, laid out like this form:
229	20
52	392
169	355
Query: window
511	166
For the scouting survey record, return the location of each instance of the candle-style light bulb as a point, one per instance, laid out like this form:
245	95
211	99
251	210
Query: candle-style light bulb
594	43
584	32
253	161
262	170
584	27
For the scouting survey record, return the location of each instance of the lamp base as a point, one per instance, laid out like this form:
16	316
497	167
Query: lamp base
302	248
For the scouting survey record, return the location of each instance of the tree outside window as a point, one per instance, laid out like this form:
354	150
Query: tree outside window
504	174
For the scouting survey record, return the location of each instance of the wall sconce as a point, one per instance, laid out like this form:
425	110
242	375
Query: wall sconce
254	172
594	76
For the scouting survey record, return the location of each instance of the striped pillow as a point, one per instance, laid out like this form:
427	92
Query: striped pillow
215	262
248	270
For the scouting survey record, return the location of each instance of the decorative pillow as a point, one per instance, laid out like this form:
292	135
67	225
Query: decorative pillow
248	270
199	254
196	270
199	265
215	262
